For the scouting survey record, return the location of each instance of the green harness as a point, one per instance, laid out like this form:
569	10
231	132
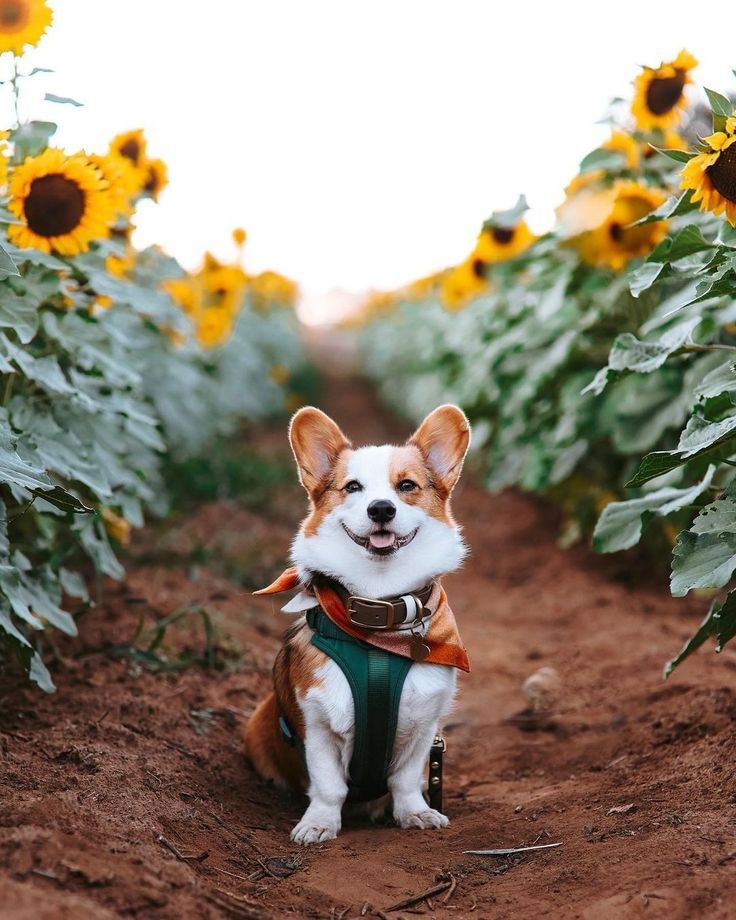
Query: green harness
376	679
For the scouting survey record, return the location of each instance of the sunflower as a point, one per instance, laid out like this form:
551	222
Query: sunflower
659	92
120	266
131	145
63	200
22	22
498	242
224	287
156	177
607	237
712	173
121	178
463	282
115	525
269	288
624	143
185	292
213	326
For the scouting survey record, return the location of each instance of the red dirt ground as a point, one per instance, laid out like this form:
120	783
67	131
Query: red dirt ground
126	793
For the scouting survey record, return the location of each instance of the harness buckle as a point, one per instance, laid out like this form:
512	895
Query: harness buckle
439	742
372	613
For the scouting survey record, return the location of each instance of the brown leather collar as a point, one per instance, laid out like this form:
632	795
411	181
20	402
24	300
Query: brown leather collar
376	613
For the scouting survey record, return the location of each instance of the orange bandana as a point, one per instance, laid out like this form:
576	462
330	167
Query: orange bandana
443	638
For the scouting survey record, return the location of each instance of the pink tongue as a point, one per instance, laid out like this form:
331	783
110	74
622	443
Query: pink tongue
382	540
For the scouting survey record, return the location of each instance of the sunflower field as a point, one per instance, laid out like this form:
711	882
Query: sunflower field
597	361
114	361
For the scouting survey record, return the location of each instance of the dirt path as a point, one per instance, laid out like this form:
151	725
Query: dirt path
126	793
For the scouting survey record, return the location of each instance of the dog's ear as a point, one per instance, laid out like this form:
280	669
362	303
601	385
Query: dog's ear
443	439
317	442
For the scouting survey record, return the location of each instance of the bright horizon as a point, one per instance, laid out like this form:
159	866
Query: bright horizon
360	147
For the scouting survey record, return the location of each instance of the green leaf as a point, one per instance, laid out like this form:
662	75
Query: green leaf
721	379
679	156
644	277
687	241
699	439
621	524
631	354
719	104
702	561
602	159
720	622
509	218
62	100
674	206
33	137
64	500
29	658
7	265
17	313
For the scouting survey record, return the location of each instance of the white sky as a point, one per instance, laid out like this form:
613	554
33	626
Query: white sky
360	145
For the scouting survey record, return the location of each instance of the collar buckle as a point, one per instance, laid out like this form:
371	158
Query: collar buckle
371	613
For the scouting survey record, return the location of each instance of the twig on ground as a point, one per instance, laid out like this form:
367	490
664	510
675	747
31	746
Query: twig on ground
177	852
242	837
451	890
418	898
512	851
233	874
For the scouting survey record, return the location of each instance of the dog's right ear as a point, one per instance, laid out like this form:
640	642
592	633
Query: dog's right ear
317	443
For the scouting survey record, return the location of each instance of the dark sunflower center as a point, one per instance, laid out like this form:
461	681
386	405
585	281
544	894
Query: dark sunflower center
479	268
13	15
131	150
151	183
502	235
616	231
723	173
54	206
663	93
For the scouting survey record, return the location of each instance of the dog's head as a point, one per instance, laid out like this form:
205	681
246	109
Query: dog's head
380	519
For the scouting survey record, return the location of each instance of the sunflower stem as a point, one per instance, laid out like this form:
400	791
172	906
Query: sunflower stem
16	91
714	347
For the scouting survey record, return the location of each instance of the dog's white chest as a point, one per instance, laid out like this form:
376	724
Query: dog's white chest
426	698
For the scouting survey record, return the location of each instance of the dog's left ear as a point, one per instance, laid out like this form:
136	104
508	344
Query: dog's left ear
443	439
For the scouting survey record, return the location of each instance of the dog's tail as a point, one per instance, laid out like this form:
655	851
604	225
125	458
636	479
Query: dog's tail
267	749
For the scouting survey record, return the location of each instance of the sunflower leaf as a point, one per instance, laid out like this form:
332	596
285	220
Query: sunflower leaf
62	100
644	277
672	207
720	622
701	438
7	265
33	137
679	156
719	104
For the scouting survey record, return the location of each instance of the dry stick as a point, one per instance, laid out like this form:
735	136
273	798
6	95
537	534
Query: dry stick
451	890
241	837
179	855
417	898
234	874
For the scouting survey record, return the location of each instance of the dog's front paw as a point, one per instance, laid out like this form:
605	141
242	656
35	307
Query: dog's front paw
309	830
427	817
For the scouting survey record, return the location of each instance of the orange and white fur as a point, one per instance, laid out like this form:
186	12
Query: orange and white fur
395	555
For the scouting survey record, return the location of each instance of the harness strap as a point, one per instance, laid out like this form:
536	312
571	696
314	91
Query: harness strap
376	679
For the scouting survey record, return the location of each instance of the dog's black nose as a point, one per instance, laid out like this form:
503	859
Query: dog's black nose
381	511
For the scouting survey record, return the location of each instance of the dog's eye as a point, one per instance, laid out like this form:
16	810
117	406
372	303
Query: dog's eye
353	486
407	485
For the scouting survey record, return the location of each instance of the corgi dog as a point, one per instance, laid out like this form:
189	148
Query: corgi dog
378	536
